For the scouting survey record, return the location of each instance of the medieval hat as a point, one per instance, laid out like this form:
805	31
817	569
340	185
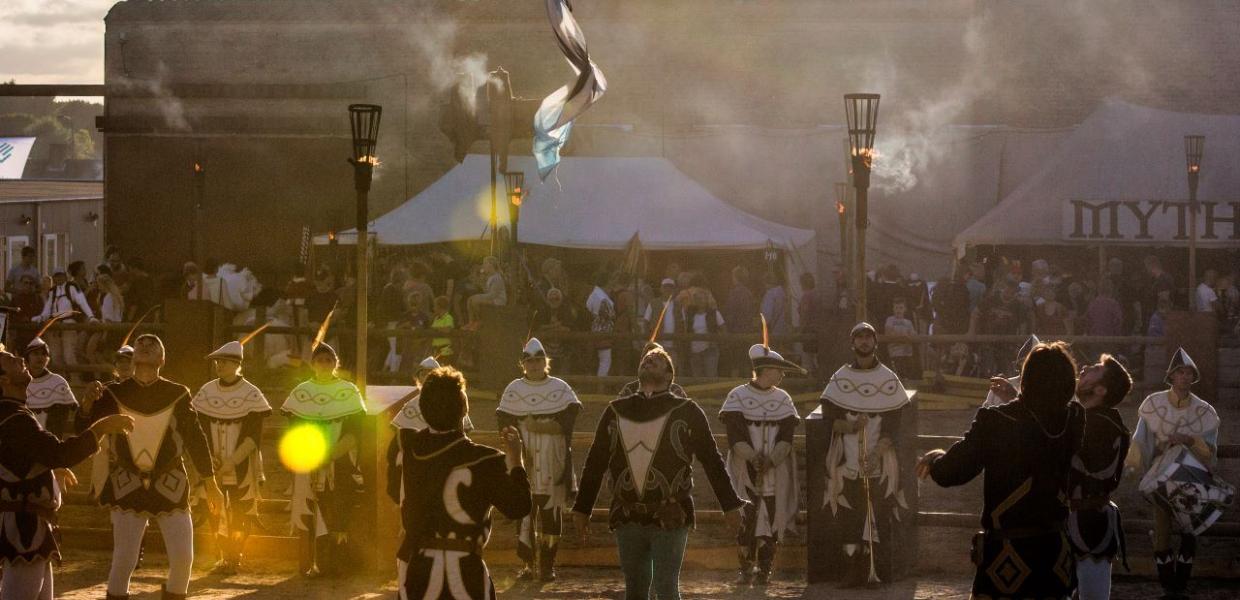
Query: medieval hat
762	357
533	349
1182	359
230	351
235	350
862	327
37	342
428	364
323	348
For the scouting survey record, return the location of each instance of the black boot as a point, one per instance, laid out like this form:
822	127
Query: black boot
744	555
766	558
166	595
857	571
1184	564
1165	564
546	558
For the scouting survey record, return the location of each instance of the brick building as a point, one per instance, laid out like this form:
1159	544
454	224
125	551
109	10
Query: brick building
255	92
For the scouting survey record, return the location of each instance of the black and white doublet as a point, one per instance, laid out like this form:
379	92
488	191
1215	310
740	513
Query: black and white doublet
29	494
647	445
146	473
761	423
231	416
1023	551
320	502
1094	525
450	484
51	400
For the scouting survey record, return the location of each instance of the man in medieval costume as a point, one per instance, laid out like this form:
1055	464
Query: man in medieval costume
760	421
544	409
147	479
1025	448
323	496
1175	446
995	399
231	411
29	493
409	416
48	395
646	443
864	404
449	486
1094	525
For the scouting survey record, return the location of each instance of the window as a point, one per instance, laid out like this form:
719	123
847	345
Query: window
13	250
51	256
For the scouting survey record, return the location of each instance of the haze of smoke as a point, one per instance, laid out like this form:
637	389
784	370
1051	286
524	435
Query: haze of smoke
434	38
1067	43
170	107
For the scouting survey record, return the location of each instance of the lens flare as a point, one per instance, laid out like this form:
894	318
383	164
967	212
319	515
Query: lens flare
303	448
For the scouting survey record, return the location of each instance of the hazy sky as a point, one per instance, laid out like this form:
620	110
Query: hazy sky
52	41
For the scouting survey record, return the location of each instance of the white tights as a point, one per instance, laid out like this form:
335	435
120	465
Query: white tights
27	581
127	531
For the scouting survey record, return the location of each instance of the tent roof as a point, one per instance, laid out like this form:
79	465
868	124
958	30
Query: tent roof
1121	152
589	202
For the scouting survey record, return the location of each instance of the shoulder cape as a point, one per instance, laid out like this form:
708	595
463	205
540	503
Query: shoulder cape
232	402
866	390
523	397
324	401
49	390
758	405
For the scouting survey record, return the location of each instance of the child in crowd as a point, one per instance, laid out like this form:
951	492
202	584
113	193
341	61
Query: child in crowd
442	321
901	353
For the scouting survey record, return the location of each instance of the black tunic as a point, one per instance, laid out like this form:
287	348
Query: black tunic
450	485
165	488
1094	526
685	434
28	453
1024	550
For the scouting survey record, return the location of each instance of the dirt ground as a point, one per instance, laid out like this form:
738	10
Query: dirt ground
83	579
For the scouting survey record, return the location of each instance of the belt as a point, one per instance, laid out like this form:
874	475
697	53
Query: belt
45	512
1091	503
455	545
1019	533
650	508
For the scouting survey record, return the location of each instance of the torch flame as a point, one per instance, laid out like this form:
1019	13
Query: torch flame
1194	168
197	167
839	207
370	158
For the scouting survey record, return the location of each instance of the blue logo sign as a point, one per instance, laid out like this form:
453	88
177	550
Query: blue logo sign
6	150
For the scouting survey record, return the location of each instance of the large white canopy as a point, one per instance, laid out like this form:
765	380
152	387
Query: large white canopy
1120	178
588	202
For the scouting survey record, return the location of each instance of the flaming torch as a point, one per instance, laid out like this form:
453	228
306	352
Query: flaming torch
841	209
1194	147
861	111
199	174
364	120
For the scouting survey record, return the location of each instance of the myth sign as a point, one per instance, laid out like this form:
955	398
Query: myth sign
1150	222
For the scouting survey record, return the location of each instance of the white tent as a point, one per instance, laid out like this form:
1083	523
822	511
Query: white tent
1120	178
588	203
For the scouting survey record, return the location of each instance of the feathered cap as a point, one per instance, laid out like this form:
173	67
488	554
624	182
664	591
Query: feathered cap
1182	359
533	349
126	351
38	343
762	357
235	350
318	346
